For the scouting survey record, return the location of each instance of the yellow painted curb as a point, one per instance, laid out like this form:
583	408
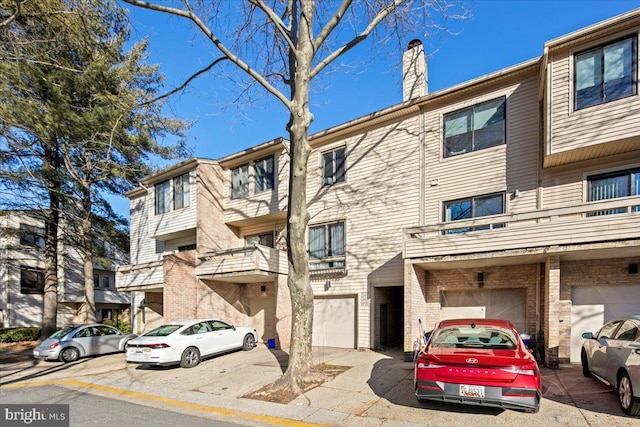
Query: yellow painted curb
167	401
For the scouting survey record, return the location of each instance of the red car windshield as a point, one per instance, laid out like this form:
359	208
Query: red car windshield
489	337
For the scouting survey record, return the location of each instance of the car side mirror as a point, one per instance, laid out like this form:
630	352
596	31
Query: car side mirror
587	335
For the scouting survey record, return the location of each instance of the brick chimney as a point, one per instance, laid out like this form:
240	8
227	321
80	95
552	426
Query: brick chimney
414	70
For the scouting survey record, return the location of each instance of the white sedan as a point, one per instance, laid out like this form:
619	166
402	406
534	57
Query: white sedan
187	342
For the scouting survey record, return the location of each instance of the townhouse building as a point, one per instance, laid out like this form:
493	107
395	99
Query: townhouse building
22	237
515	195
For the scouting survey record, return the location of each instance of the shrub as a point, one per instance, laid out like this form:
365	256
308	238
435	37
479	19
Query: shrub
8	335
121	322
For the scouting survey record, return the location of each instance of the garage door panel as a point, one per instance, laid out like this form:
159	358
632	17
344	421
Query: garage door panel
507	304
593	306
334	322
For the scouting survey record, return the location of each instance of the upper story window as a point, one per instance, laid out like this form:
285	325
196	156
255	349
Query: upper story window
613	186
31	235
605	73
474	128
326	245
333	166
101	281
179	187
240	182
31	281
264	174
181	191
474	207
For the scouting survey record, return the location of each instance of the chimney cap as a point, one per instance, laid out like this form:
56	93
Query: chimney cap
414	43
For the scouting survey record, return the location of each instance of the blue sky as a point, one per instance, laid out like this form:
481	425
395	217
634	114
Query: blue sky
499	34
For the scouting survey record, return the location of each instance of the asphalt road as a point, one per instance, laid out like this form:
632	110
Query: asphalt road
88	410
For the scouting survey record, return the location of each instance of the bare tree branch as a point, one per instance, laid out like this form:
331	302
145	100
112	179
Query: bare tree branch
214	39
380	16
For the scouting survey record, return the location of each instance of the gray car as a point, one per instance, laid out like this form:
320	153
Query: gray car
613	355
76	341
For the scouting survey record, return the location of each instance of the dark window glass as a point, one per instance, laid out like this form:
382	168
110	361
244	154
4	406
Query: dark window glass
614	186
163	197
181	191
264	174
32	236
240	182
326	245
605	73
333	166
474	128
474	207
31	281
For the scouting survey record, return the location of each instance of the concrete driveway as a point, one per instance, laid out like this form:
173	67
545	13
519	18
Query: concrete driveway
375	391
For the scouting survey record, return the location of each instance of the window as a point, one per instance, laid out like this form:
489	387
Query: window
264	174
613	186
240	182
101	282
266	239
181	191
605	73
627	332
333	166
31	281
181	194
326	246
163	197
474	207
474	128
31	235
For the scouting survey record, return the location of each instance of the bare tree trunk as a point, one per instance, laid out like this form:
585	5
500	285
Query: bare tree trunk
89	305
50	298
300	367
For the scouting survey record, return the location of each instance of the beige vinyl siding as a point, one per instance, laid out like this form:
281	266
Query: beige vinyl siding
379	198
263	203
567	186
504	168
176	220
143	247
589	126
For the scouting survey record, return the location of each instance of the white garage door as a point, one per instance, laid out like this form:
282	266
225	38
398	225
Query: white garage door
509	304
334	322
593	306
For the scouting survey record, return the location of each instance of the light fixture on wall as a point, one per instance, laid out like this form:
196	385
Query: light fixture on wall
480	279
327	285
516	193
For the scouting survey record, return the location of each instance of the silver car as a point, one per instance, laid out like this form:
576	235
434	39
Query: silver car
76	341
613	355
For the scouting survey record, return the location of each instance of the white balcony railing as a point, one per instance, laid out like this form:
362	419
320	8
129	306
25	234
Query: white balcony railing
248	264
581	224
149	275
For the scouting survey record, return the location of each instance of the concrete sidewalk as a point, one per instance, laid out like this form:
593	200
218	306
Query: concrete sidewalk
376	391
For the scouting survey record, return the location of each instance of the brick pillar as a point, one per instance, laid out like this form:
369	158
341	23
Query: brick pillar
416	305
180	286
552	311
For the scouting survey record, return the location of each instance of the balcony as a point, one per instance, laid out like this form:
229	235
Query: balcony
140	277
250	264
586	231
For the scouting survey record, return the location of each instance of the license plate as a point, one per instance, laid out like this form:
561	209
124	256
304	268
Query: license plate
472	390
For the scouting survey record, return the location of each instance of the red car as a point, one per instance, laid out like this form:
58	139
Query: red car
478	362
